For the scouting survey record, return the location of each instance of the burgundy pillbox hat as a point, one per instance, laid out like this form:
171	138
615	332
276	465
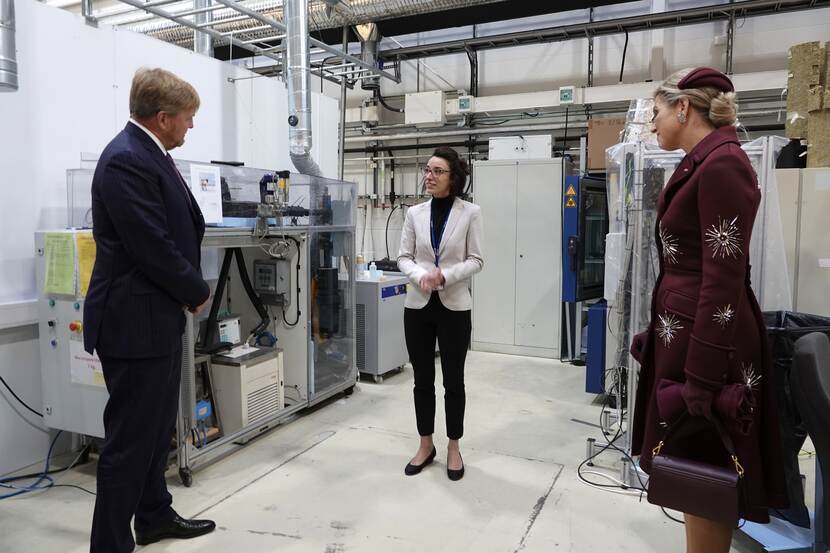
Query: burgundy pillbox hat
706	76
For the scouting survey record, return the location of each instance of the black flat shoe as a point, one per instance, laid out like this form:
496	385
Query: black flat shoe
412	470
455	475
177	528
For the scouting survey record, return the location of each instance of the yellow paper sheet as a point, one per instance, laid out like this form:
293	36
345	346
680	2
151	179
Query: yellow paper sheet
85	245
60	264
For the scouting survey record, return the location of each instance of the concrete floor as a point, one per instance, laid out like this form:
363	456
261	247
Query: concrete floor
332	481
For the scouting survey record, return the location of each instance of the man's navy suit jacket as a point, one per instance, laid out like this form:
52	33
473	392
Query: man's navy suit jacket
148	231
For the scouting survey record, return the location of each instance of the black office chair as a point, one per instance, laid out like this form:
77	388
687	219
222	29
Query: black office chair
810	382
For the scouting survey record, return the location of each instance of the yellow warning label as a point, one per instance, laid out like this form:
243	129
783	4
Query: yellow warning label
570	203
571	191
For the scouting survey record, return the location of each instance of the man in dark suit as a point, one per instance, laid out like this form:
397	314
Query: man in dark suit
148	230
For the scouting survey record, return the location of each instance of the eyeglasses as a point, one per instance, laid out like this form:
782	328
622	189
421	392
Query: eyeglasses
436	172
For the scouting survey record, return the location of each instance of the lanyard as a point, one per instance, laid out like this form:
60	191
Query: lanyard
436	241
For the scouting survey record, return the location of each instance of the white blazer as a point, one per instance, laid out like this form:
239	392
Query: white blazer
459	253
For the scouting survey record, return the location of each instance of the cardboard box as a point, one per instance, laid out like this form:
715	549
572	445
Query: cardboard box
602	134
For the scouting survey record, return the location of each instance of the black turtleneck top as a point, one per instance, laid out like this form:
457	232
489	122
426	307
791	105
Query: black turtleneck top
440	211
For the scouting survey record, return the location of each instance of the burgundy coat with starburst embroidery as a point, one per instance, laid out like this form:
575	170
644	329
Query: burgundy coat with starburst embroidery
706	324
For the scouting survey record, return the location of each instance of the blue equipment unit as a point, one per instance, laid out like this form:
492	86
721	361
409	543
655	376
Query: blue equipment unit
595	365
584	226
204	409
570	238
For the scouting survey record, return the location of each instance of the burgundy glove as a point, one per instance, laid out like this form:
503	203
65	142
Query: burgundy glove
698	399
736	405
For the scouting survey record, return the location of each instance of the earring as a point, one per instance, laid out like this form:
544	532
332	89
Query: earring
681	117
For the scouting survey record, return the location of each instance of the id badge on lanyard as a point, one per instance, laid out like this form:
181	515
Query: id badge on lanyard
436	240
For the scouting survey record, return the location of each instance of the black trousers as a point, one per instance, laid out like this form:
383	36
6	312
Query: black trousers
139	420
452	329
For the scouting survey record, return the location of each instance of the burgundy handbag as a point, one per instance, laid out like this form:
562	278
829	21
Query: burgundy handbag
701	489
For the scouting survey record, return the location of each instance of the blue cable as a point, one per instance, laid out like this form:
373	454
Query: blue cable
271	339
37	484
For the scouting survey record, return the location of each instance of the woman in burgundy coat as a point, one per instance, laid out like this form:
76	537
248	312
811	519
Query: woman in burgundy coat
707	333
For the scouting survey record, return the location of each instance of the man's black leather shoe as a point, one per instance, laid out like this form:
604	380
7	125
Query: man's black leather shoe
177	528
412	470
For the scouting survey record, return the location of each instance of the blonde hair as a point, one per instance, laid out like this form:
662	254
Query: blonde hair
155	90
718	107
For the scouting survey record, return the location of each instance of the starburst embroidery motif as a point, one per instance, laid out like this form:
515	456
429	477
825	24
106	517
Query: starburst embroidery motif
671	248
725	238
667	328
749	376
723	315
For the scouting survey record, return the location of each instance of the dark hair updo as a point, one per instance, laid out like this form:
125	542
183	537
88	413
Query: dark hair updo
458	169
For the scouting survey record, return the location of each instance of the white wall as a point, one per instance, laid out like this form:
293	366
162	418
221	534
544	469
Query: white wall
73	98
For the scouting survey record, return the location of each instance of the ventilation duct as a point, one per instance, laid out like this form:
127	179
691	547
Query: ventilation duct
202	42
369	41
8	52
299	94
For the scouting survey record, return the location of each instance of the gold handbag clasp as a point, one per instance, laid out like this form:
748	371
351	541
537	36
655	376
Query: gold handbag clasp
656	451
738	467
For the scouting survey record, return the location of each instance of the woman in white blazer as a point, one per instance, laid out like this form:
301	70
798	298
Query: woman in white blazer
440	252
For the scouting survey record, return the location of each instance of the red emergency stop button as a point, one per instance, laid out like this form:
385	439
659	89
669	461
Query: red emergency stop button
75	326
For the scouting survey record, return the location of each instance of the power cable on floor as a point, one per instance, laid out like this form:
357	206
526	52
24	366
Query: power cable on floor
23	403
43	480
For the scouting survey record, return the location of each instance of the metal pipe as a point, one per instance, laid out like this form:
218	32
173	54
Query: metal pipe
342	138
238	32
188	378
157	3
195	11
264	39
120	12
215	34
86	11
8	52
299	93
203	42
369	41
223	21
322	45
474	131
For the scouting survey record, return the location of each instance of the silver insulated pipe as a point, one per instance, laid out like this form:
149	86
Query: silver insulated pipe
8	52
299	94
202	42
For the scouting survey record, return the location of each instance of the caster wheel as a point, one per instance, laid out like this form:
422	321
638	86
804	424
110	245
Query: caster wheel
378	379
348	391
186	476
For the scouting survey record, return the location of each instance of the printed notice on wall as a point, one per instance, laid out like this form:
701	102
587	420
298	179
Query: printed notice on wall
824	263
84	368
205	183
85	245
60	264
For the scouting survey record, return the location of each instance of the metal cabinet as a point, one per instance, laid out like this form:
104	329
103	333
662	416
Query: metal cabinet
805	201
517	297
